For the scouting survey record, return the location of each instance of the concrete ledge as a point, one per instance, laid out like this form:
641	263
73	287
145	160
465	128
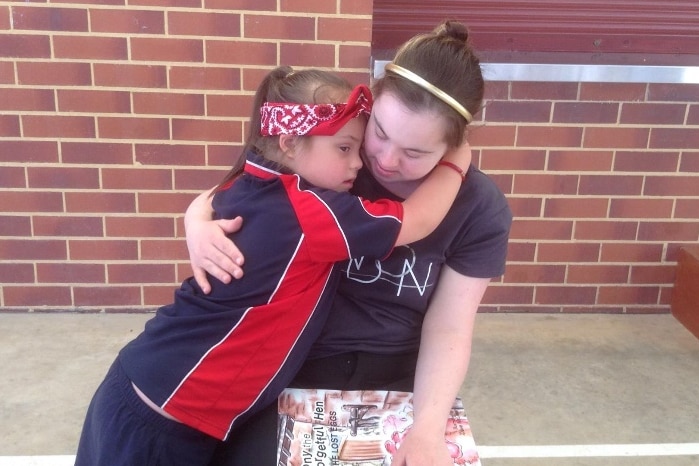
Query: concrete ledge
685	294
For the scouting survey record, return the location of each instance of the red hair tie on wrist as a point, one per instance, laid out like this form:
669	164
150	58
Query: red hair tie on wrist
455	167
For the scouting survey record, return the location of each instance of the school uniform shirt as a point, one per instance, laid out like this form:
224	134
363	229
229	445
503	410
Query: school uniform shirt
381	304
213	360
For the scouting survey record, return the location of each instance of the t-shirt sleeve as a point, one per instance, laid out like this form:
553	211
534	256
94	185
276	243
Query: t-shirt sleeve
338	226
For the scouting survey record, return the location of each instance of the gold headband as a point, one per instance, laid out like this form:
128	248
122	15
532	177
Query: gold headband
431	88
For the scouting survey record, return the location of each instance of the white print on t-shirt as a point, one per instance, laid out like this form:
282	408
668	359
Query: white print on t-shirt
405	278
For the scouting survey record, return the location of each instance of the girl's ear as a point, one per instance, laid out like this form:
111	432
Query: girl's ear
287	144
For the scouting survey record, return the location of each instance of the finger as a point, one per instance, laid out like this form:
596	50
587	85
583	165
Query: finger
202	281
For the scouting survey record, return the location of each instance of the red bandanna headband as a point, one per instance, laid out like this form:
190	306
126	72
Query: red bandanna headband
313	120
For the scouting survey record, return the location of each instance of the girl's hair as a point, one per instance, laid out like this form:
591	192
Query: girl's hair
283	84
445	59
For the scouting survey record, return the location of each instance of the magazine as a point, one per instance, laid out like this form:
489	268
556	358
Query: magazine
357	428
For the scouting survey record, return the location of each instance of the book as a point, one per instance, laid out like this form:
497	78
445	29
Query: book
357	428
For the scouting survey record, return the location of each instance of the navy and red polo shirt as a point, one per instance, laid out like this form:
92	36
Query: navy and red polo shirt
213	360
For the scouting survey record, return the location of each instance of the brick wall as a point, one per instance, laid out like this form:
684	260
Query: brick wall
604	182
113	117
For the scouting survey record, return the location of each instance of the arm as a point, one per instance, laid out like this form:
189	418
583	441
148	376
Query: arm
209	247
445	350
427	206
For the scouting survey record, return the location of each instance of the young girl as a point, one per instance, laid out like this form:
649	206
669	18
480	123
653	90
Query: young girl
207	362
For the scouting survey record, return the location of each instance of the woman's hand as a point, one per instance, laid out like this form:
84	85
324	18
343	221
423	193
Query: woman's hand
418	449
211	251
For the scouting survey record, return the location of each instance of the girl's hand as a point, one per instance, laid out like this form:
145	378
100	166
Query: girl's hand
211	251
422	450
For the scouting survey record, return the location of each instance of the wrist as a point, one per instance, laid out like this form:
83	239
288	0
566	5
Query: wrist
451	165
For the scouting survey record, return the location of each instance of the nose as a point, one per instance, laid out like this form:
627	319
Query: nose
388	158
356	163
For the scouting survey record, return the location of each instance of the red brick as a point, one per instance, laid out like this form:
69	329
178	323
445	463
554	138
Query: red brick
512	159
133	128
496	90
509	294
67	226
107	295
543	229
523	252
308	6
90	47
198	180
628	295
169	3
188	77
136	179
127	21
653	114
140	227
631	252
181	23
520	112
128	75
621	138
525	206
35	100
576	208
96	2
689	162
103	153
671	186
279	27
568	252
543	91
669	231
549	136
351	7
344	29
565	295
54	73
103	249
646	161
241	52
172	203
206	130
223	155
167	250
167	50
545	184
31	201
591	274
693	115
93	101
673	92
32	249
492	136
170	154
239	106
7	72
100	202
641	208
687	208
55	126
25	46
652	274
252	77
41	296
535	273
161	103
15	225
140	273
158	295
70	273
12	177
253	5
5	22
587	230
307	54
622	92
585	112
49	19
354	56
582	160
674	138
612	185
16	273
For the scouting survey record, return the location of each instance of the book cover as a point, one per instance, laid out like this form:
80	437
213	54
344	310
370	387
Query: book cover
357	428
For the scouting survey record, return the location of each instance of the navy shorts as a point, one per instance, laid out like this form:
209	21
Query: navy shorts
120	430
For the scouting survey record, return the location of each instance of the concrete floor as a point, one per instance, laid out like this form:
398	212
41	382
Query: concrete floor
543	390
